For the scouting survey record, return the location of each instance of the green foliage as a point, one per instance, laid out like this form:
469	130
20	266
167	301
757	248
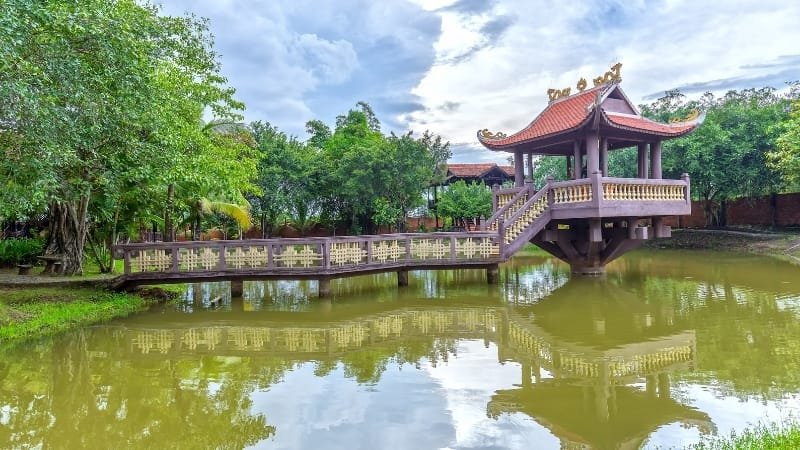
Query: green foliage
726	156
354	177
762	437
20	251
785	159
101	105
461	200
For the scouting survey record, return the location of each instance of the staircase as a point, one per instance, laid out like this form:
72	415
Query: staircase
520	219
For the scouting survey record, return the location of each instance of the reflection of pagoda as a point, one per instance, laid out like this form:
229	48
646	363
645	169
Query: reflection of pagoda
587	400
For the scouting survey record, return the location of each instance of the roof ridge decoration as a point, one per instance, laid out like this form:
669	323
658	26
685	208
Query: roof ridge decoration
693	114
611	76
486	134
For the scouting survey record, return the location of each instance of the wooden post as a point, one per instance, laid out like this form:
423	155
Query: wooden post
529	160
402	278
642	158
519	169
492	274
576	159
592	153
495	188
237	288
655	160
688	193
604	156
569	167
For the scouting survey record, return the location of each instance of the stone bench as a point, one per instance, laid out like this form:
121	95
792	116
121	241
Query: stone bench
52	263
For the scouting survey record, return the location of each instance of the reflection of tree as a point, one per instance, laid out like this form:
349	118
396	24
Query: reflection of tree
99	399
744	337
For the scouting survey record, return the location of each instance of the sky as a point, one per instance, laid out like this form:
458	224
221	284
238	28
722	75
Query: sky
456	66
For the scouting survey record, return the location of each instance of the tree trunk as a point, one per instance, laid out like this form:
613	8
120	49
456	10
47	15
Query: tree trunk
67	234
169	232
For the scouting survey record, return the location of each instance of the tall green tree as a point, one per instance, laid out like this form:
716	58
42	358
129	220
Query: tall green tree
103	98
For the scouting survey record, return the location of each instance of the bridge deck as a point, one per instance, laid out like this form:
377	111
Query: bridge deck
303	258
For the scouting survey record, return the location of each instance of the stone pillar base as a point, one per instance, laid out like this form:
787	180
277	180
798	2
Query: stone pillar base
592	271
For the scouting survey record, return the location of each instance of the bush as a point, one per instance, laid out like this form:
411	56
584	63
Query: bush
20	251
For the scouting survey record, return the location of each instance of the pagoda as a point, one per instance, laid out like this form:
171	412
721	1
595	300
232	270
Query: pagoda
591	218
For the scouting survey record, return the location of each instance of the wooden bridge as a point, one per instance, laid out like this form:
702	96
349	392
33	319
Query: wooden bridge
549	217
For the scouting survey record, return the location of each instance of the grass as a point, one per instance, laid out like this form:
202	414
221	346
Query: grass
761	437
27	313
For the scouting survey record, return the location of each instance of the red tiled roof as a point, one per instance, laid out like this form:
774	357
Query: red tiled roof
572	112
638	123
476	170
559	116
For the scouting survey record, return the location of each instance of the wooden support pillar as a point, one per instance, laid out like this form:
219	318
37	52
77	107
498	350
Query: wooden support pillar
492	274
402	278
663	385
519	169
642	158
576	160
655	160
604	156
530	166
569	167
237	288
324	287
592	153
526	374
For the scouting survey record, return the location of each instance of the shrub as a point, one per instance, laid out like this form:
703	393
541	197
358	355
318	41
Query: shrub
20	251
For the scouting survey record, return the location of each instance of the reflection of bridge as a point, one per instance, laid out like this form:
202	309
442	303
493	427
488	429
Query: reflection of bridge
562	381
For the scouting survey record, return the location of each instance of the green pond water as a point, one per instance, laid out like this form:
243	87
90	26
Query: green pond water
668	347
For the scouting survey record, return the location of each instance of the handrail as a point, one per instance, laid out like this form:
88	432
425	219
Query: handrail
307	256
512	205
530	211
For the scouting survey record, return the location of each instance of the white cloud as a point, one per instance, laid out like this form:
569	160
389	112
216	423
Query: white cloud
293	60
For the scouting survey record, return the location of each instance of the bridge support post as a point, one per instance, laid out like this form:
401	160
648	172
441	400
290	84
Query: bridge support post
324	287
237	288
492	274
402	278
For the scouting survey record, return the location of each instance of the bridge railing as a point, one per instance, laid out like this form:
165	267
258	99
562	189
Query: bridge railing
310	256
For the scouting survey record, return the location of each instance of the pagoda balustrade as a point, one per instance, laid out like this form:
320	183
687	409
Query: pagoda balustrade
596	191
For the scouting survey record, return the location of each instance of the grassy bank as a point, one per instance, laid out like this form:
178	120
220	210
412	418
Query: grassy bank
761	437
30	312
785	245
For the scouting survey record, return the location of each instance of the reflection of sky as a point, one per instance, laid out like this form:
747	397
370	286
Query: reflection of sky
430	407
728	414
444	406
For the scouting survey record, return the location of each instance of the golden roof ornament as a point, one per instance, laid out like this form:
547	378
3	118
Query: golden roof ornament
486	134
611	76
693	114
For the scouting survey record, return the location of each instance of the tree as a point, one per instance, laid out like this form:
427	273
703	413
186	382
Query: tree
726	156
785	159
100	99
461	201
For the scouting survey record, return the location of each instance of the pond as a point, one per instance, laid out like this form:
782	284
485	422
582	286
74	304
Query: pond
668	347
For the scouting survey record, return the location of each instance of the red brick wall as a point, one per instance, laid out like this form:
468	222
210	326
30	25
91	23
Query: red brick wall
747	211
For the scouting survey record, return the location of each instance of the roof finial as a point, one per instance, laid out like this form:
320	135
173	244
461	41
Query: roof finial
611	75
